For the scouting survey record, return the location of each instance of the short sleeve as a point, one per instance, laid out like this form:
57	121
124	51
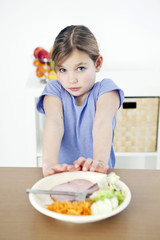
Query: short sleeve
108	85
52	88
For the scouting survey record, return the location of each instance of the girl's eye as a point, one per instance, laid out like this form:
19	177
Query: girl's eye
62	70
80	69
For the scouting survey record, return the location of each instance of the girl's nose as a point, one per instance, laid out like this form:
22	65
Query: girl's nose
72	78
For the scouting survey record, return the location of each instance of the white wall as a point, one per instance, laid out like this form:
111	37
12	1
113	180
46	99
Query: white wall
128	32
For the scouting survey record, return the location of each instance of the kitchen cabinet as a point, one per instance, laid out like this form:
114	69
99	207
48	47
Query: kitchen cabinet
141	86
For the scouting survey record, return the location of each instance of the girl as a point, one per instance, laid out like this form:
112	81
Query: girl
80	114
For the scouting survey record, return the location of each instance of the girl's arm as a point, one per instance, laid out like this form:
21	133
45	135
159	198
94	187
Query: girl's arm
53	134
106	108
54	130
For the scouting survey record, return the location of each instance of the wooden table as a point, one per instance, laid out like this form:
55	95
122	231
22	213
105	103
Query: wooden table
20	221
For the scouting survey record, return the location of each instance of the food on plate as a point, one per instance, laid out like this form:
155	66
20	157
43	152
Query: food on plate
104	200
76	185
71	208
99	207
108	197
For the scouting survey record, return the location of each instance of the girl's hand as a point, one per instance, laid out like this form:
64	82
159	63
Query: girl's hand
91	165
58	168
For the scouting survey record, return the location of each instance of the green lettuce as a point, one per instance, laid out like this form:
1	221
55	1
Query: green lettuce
109	189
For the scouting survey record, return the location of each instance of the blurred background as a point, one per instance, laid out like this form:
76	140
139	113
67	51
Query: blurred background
128	33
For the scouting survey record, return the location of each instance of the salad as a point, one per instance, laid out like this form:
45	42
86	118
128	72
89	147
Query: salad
108	197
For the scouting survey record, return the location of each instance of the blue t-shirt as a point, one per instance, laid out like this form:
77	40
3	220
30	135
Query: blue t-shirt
78	120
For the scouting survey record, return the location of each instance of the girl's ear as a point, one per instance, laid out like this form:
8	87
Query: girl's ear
99	63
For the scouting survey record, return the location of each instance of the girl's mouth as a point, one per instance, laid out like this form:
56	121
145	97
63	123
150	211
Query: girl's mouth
75	89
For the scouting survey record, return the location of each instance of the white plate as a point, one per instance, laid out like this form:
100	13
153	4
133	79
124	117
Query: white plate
39	201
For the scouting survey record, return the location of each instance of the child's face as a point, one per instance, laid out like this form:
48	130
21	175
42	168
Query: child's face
78	74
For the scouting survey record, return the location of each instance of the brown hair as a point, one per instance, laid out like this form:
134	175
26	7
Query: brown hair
74	37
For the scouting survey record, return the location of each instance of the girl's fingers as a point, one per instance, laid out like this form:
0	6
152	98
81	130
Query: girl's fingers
98	166
87	164
71	168
51	172
48	172
90	165
79	162
60	168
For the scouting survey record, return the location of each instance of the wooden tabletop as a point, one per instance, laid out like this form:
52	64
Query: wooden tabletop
20	221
